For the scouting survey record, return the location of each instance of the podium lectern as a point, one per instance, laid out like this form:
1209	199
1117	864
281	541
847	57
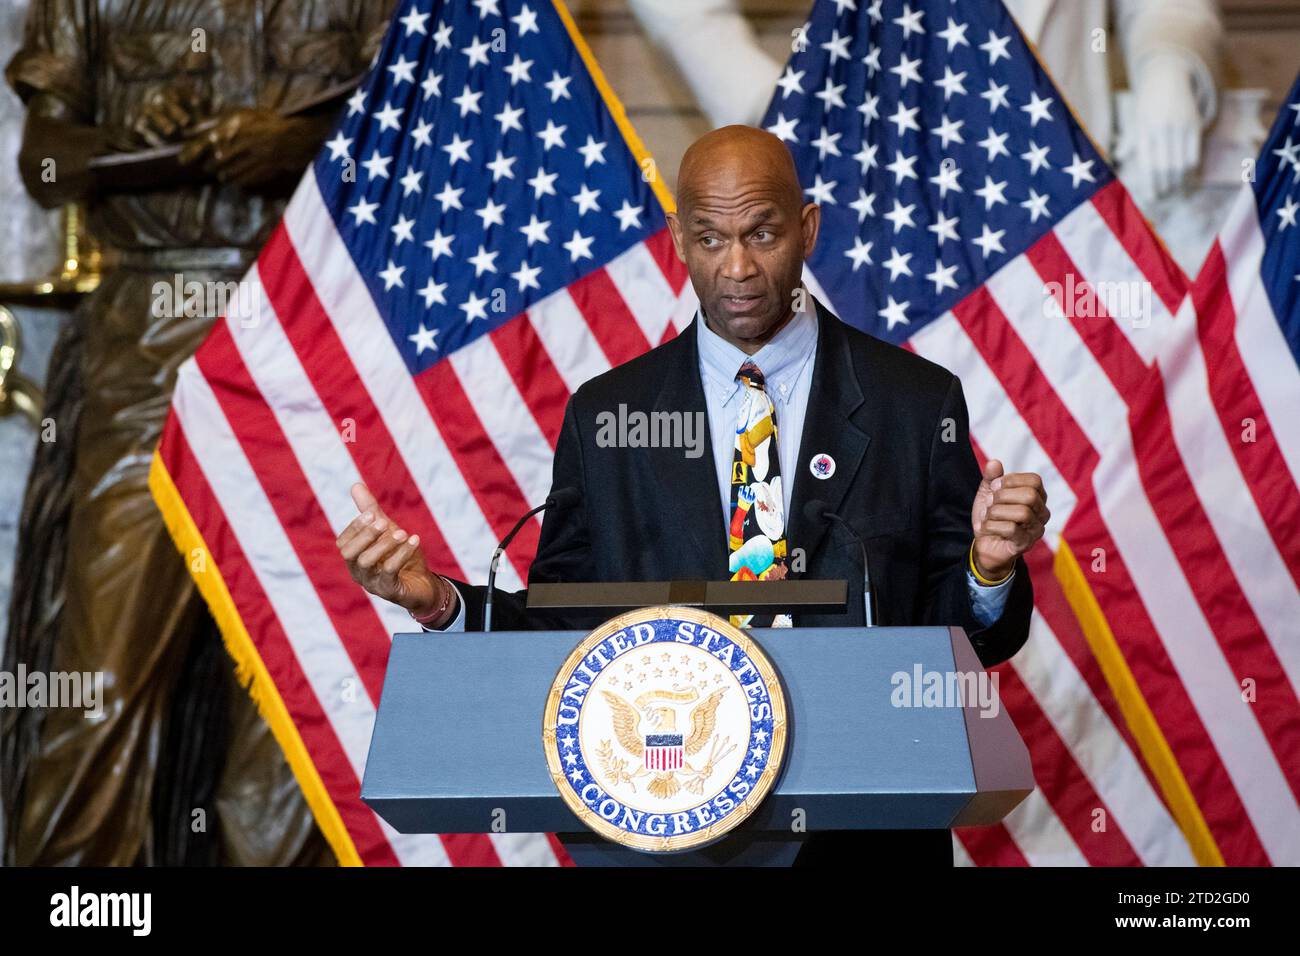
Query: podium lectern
457	744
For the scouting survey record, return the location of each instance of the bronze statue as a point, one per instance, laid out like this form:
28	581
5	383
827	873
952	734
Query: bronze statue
179	742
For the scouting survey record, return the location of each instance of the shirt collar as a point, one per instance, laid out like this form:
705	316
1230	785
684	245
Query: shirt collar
780	360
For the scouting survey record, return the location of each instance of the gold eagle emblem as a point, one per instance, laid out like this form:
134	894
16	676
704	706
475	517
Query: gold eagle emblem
658	709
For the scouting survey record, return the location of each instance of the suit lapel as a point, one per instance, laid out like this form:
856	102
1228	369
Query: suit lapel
829	428
691	484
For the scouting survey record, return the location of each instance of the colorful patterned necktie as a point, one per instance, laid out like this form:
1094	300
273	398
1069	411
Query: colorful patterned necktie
756	537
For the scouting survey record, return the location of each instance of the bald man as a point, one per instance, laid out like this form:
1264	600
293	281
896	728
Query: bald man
797	407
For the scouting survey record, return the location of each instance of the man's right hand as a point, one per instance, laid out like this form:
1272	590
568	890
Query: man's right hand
387	562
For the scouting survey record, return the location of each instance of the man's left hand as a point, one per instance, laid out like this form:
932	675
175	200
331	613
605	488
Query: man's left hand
1008	517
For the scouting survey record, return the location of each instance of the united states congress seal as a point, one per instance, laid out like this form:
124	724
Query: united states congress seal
665	728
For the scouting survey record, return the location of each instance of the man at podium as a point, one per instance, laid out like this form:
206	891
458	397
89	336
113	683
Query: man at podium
811	425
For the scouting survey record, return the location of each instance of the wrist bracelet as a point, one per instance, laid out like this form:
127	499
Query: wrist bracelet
981	578
448	596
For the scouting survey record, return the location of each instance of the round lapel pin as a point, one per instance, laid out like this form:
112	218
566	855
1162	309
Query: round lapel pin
822	466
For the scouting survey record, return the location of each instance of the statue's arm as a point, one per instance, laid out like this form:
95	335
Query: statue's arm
54	158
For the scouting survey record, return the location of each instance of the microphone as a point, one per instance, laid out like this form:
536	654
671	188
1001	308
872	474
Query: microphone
817	510
561	498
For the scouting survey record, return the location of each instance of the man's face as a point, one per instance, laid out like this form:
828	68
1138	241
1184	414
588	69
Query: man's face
744	234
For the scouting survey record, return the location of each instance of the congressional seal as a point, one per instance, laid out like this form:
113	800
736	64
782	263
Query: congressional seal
665	728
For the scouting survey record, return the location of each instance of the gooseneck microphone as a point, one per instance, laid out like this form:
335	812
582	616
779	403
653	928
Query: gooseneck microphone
560	498
817	510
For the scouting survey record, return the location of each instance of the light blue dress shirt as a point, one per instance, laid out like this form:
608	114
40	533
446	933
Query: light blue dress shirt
787	366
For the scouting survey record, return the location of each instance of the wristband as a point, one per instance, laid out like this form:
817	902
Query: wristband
448	596
981	578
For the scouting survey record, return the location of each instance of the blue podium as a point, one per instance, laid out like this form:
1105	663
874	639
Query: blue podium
457	744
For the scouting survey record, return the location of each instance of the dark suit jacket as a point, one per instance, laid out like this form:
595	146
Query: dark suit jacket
905	478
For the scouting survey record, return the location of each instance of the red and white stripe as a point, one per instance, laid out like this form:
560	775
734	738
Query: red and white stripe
275	420
664	758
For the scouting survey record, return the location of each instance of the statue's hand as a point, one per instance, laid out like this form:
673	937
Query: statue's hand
1168	123
254	146
166	115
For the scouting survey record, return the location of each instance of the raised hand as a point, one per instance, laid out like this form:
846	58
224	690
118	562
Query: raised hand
1007	518
387	562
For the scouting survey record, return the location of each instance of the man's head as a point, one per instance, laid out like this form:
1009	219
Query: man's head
743	230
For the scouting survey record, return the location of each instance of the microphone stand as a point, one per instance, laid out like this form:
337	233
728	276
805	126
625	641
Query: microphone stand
816	509
564	498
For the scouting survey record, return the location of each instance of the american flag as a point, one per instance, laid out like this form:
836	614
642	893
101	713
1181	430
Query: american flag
1229	382
482	233
967	216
